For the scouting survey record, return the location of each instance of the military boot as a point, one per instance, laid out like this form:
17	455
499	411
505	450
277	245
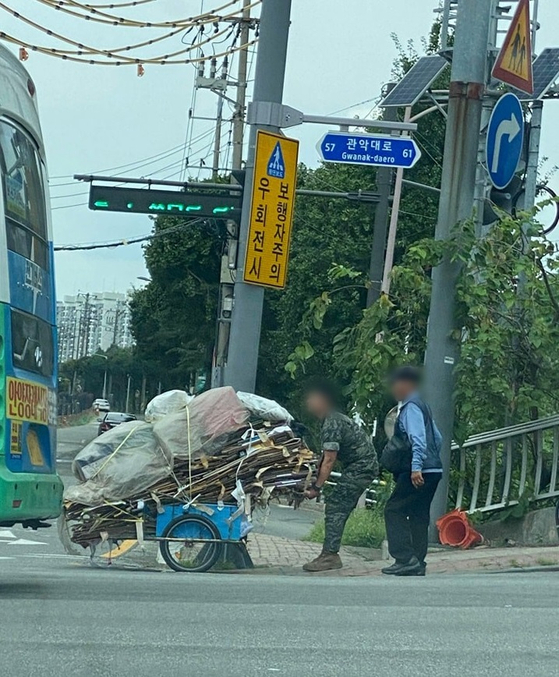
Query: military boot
324	562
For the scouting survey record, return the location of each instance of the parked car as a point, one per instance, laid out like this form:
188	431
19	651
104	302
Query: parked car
101	405
114	418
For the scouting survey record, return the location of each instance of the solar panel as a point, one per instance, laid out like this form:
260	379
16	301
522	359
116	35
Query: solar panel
415	82
546	72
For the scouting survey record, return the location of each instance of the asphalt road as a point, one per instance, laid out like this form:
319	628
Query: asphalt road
64	617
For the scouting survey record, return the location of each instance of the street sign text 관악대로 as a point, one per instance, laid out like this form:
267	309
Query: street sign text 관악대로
514	63
271	212
369	150
505	136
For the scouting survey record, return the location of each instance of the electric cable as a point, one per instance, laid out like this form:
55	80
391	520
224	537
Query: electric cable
127	241
137	164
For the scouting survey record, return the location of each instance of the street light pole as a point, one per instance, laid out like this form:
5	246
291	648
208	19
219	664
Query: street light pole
468	78
246	320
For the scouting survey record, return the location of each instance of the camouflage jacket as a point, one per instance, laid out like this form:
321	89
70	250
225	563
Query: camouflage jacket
350	441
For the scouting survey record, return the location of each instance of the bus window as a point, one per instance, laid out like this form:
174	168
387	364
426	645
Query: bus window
32	344
24	195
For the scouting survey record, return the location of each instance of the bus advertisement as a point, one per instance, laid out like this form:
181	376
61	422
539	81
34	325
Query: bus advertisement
30	489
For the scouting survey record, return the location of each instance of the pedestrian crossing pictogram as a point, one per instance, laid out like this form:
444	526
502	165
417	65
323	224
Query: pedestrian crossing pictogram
276	165
514	63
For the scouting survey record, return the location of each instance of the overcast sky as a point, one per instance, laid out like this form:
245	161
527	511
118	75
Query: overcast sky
99	118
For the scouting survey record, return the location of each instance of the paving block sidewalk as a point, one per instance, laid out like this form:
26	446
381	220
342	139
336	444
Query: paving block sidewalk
272	554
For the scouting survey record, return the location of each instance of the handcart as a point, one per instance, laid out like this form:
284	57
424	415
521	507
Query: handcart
191	536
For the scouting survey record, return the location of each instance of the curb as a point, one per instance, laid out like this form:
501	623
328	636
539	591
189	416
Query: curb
522	570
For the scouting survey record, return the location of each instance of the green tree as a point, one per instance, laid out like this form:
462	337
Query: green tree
507	324
174	316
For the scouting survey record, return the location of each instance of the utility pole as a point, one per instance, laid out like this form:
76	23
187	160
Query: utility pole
242	74
246	320
468	78
228	260
382	213
219	118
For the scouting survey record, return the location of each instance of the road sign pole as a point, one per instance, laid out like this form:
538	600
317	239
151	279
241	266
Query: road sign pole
468	79
246	320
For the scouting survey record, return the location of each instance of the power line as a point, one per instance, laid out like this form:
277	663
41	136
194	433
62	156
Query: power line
126	241
137	164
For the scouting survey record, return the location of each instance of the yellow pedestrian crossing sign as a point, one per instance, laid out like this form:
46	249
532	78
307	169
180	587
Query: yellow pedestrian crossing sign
514	63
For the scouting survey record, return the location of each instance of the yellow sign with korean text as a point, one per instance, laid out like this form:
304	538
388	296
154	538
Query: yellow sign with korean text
271	212
27	401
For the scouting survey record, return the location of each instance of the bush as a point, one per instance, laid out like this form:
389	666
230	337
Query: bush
364	528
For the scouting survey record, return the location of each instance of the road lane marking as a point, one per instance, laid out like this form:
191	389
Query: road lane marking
119	550
6	533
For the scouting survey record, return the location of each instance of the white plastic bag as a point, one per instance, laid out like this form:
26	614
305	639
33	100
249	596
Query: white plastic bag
266	409
171	402
121	463
204	426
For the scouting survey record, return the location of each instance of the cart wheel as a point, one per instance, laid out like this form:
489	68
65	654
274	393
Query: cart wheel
189	552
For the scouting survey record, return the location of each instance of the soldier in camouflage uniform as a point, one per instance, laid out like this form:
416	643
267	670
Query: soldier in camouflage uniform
346	443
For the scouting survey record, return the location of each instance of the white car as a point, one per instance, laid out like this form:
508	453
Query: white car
101	405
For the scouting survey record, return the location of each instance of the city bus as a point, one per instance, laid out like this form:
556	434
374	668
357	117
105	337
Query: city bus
30	488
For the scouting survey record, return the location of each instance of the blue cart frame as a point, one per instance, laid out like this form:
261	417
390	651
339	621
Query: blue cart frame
192	537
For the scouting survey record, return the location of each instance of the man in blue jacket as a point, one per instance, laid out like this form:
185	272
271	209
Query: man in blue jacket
407	510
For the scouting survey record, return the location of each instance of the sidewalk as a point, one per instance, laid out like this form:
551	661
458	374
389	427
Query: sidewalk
273	555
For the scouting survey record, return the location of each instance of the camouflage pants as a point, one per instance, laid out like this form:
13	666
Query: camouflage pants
341	502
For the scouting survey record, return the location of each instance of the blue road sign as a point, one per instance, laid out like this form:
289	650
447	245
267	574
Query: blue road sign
505	137
369	150
276	164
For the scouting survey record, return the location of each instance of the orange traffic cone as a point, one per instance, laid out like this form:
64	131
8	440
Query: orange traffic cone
455	530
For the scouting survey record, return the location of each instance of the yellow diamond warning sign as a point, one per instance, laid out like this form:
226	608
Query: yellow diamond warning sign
514	63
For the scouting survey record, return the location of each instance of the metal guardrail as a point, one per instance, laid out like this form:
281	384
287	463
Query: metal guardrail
496	469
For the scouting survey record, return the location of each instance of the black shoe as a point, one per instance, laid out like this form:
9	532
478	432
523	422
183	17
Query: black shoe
411	568
392	569
421	571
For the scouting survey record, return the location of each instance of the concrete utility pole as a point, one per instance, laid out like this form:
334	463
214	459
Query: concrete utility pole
382	213
227	274
246	321
469	73
240	102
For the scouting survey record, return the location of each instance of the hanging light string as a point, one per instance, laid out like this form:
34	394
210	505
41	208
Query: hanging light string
109	53
114	56
112	5
123	61
93	14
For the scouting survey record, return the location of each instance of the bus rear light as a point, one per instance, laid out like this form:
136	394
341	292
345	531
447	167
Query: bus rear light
16	503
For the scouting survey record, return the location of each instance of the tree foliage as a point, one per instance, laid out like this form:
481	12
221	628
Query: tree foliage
174	316
506	324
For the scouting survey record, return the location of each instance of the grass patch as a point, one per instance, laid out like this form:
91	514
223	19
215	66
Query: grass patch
546	562
364	529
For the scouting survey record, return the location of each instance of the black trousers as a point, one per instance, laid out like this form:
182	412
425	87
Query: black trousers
407	517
